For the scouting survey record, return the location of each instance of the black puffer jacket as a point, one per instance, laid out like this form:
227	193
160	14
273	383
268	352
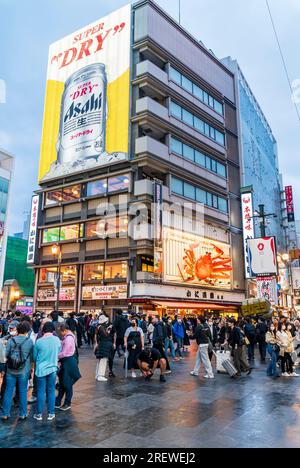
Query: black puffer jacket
105	337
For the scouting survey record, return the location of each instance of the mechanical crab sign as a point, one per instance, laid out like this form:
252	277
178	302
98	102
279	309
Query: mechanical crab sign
195	260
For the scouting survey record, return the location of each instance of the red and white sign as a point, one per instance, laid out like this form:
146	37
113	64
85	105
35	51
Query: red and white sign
290	204
248	226
95	293
267	289
262	256
33	229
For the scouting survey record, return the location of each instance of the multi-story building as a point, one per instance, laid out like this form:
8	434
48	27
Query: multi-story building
183	148
15	265
6	174
259	157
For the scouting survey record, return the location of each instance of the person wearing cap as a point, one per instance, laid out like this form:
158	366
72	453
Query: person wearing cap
104	349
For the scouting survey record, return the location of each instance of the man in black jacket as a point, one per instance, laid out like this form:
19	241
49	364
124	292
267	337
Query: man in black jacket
120	324
203	341
237	343
261	331
159	336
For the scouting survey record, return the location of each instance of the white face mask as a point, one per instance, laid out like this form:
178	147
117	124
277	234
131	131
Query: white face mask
12	333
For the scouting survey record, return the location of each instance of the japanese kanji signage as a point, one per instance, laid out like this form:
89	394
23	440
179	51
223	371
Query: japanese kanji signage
290	204
33	229
248	226
267	289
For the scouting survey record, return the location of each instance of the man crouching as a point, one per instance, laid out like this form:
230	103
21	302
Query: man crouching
149	360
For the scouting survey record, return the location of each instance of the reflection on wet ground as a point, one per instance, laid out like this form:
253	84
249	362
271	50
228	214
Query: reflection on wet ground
186	412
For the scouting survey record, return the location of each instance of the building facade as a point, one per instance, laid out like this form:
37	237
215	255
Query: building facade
15	265
259	157
6	174
183	149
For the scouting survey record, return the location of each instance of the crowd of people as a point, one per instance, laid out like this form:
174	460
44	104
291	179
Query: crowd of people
41	352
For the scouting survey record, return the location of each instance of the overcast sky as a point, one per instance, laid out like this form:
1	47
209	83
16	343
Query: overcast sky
238	28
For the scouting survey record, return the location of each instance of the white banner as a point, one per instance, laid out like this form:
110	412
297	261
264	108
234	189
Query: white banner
262	256
248	226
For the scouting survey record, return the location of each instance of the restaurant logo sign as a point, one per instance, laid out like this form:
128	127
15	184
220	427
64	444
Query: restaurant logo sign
32	242
248	226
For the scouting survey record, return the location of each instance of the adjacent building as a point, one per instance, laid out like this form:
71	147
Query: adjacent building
15	265
259	157
170	138
6	174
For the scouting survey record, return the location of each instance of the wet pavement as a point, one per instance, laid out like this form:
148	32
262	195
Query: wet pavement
185	412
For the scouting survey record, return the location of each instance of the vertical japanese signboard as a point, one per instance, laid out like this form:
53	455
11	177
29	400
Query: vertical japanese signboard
33	229
290	204
248	226
158	228
267	289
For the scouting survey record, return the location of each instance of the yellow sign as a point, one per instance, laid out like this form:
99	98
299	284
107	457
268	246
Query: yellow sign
86	115
256	307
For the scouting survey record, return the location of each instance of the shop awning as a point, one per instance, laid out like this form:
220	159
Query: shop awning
193	305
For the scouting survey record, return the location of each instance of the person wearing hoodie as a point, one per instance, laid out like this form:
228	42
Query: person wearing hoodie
45	354
120	324
179	330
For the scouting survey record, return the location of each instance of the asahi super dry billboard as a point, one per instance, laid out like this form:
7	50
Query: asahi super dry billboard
86	114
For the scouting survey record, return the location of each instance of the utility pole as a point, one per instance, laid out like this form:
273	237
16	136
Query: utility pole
263	216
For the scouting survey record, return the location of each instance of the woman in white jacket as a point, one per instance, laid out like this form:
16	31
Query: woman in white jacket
286	349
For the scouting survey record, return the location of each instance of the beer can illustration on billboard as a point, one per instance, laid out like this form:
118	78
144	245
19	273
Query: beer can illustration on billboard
83	116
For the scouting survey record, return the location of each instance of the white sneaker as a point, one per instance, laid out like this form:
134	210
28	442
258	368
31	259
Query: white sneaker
285	374
194	374
168	372
51	417
294	374
133	375
209	376
102	379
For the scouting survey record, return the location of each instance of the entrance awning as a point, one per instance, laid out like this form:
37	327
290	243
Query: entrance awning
192	305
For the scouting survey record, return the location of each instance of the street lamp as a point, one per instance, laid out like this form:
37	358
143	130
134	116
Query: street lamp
56	252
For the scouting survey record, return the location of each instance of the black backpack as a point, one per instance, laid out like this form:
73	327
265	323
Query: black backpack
16	359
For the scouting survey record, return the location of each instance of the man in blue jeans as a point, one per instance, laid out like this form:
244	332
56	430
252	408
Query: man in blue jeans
45	354
19	358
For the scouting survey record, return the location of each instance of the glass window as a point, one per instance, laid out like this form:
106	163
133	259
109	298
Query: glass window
68	274
71	193
201	196
206	129
211	101
147	264
198	92
223	205
187	84
209	199
208	163
94	229
188	152
189	190
200	158
218	107
176	110
205	98
116	184
177	186
175	75
187	117
93	272
47	275
213	165
115	270
53	197
220	138
215	201
199	125
98	187
176	146
69	232
212	133
221	169
51	235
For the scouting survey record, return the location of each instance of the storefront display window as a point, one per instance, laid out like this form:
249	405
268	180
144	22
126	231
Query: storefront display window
93	272
47	275
115	271
68	274
67	194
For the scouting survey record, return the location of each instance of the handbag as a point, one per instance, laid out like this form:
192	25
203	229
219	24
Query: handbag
247	342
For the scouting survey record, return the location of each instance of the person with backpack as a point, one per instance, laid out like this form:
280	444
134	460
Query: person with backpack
45	355
19	355
69	372
179	331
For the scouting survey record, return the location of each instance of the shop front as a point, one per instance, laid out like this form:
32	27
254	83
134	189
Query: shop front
175	300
